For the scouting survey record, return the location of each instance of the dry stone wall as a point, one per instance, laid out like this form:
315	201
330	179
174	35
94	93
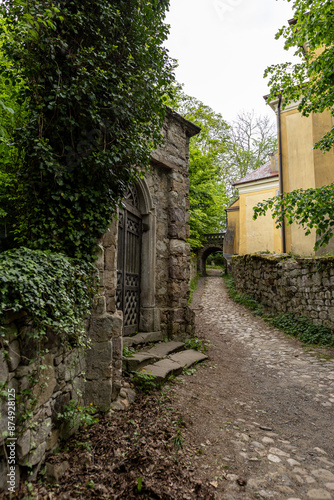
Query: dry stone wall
42	385
303	286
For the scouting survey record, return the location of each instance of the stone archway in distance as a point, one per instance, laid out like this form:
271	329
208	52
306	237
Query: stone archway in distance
203	255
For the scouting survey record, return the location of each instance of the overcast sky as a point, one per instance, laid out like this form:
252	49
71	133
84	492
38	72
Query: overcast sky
223	48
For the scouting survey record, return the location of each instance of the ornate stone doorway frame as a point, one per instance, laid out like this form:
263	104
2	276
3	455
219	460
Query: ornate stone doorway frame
149	314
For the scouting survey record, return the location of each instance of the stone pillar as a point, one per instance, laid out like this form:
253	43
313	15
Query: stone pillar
104	360
180	318
149	314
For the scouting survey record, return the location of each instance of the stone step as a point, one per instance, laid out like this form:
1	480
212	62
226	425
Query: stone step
165	348
188	358
143	338
140	359
163	369
174	364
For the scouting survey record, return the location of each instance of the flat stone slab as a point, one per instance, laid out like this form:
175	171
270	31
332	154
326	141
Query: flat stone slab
188	358
138	360
166	348
143	338
163	368
174	364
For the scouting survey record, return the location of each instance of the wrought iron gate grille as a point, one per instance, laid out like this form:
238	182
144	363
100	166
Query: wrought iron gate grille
128	270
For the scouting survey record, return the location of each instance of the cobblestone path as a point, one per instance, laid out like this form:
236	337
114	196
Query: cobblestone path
261	414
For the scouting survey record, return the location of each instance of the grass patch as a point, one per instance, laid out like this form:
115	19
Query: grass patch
196	344
193	286
145	382
297	326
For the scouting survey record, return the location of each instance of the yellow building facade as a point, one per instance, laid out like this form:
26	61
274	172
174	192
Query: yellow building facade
297	165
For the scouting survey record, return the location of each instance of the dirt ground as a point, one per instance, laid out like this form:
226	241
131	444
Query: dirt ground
254	421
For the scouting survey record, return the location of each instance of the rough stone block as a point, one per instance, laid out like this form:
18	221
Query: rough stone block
143	338
99	306
99	361
99	263
35	456
101	328
24	445
176	214
139	360
110	258
3	369
118	325
62	399
14	355
110	237
53	440
117	348
111	303
74	365
47	382
99	392
162	369
165	348
109	280
54	472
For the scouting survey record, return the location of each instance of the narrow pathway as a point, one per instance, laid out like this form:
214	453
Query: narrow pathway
259	418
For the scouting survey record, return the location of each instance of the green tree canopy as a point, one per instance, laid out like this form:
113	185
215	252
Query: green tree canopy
94	74
208	194
311	81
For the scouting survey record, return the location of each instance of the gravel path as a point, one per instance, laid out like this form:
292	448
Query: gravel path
260	416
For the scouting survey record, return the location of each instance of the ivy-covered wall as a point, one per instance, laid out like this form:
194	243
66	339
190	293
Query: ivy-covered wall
301	285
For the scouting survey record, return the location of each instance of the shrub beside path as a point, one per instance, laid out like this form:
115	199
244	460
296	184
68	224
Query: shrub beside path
259	418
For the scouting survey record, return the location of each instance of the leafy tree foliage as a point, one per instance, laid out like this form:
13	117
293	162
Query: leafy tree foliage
208	193
94	75
307	207
12	115
309	82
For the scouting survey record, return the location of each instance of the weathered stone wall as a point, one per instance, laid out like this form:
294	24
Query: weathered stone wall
303	286
95	376
44	385
169	183
60	378
193	268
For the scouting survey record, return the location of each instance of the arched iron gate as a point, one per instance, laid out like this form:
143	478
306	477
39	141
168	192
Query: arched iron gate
129	263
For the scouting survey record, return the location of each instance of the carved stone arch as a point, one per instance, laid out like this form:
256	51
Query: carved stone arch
149	314
144	197
139	202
